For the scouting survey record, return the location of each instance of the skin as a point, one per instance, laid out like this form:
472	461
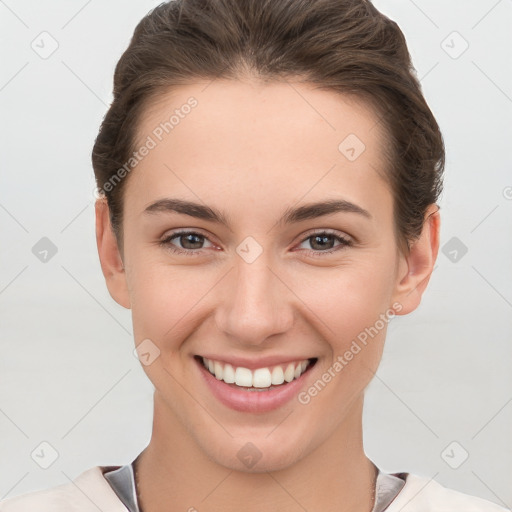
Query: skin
253	150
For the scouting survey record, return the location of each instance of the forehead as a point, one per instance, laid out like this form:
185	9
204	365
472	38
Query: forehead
250	105
239	136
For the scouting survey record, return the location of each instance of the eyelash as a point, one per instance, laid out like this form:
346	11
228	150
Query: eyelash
166	242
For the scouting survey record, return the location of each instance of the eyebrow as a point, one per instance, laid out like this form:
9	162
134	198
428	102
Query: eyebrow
290	216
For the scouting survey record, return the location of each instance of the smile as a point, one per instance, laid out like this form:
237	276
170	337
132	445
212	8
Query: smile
259	389
260	379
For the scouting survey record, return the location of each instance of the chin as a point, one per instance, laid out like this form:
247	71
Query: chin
251	454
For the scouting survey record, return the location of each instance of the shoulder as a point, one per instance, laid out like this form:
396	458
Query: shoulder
88	492
422	494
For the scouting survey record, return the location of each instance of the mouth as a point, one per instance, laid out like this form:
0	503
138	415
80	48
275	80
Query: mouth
258	389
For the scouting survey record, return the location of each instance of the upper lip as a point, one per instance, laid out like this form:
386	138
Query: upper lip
253	364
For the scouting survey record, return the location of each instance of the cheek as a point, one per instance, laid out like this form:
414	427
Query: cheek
348	299
164	299
353	314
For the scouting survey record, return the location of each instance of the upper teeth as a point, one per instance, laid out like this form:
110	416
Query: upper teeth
259	378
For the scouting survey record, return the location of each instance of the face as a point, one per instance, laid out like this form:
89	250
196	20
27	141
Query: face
226	258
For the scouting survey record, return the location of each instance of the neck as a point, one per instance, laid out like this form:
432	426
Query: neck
173	473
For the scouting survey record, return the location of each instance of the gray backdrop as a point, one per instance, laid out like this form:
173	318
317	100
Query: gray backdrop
73	395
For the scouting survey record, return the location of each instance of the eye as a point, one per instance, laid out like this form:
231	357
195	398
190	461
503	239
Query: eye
190	242
323	242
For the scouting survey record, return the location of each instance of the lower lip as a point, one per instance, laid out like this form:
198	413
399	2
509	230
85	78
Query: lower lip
252	401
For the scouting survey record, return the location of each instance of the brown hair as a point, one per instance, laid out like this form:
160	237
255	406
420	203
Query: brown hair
346	46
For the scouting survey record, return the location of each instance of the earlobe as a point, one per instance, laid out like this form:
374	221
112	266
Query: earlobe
110	257
417	266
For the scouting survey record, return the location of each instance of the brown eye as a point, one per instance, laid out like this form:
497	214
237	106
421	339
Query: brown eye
322	241
325	243
188	242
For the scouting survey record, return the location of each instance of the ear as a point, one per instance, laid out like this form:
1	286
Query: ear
110	256
416	267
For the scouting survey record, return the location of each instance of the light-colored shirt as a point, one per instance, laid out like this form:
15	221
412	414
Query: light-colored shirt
91	491
122	481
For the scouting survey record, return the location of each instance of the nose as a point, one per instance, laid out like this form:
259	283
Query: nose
255	303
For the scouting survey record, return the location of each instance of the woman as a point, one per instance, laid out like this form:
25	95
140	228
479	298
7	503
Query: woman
269	173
